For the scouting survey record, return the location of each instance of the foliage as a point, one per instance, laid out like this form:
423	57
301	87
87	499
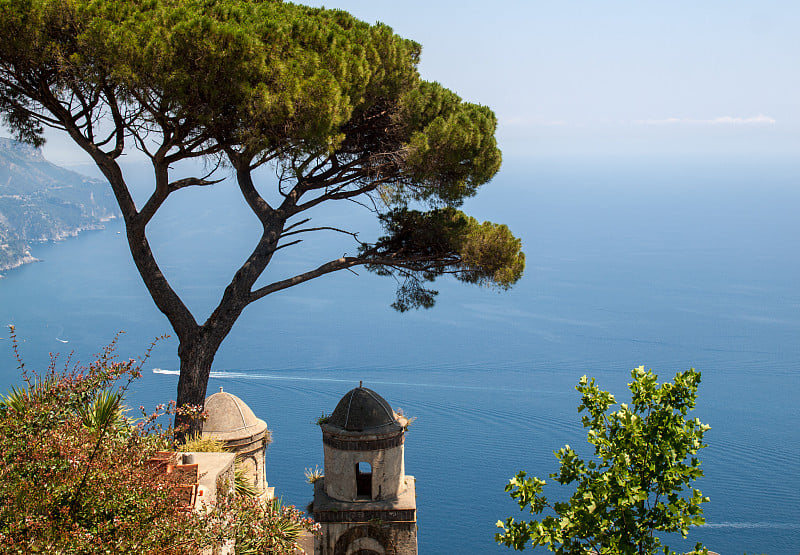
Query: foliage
242	483
106	412
74	478
644	457
69	486
268	528
203	444
313	474
444	240
336	107
322	419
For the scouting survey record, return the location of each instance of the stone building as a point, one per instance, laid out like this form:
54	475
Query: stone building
365	503
231	421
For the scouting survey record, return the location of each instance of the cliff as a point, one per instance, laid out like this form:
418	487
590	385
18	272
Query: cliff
40	201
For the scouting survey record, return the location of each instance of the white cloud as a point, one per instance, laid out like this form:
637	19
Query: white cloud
760	119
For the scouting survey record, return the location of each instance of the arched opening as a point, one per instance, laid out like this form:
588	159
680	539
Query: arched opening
364	480
366	539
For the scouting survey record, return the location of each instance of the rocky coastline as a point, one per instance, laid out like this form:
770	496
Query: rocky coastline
41	202
12	260
16	263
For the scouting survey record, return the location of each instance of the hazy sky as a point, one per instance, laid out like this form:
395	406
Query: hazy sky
598	78
592	77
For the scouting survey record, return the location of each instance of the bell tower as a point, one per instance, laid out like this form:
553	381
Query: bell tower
365	503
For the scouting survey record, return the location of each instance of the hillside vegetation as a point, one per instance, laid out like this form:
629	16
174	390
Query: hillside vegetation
40	201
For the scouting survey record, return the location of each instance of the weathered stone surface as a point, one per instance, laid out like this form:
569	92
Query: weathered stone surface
231	421
362	409
323	503
387	473
365	503
216	475
229	418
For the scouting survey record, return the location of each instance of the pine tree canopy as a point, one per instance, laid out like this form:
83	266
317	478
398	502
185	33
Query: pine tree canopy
335	105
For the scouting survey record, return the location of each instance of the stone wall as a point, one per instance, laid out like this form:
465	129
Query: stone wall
396	538
216	475
387	465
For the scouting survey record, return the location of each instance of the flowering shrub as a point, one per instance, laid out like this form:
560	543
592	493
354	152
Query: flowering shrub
74	478
267	528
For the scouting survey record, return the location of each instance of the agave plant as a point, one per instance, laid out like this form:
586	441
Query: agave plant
313	474
19	398
269	528
241	481
106	412
16	399
289	529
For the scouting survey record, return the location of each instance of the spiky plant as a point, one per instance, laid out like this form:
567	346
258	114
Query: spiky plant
16	399
106	412
313	474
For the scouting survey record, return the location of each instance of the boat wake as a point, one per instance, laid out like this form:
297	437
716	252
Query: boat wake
260	376
213	373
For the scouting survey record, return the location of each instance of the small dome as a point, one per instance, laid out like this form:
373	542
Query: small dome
230	418
362	409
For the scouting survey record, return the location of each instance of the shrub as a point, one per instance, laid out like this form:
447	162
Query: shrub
639	482
200	444
74	477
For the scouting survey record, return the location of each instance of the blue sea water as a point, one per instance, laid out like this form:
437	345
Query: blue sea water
665	263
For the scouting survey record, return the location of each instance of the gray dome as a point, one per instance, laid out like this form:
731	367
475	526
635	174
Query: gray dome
230	418
362	409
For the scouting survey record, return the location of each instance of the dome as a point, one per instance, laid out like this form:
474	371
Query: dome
230	418
362	409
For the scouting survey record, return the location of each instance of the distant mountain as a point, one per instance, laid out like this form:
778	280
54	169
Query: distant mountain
40	201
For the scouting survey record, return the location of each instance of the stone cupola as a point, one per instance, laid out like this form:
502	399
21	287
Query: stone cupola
231	421
365	503
363	444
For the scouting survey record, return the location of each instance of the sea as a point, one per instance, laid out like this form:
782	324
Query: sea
670	263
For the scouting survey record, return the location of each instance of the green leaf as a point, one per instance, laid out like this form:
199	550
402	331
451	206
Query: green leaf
641	452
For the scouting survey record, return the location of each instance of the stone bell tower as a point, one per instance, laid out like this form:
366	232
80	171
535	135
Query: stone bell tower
365	503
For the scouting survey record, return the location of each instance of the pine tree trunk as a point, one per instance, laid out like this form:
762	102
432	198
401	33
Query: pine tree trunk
196	358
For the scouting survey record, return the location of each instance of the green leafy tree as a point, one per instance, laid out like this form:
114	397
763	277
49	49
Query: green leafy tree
644	458
334	105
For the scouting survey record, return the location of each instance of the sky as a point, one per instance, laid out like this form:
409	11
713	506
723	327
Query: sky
589	78
583	78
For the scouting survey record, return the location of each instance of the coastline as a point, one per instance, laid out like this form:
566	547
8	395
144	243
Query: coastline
28	258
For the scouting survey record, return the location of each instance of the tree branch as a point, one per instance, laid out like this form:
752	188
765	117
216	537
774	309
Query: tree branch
296	224
161	193
321	228
191	182
119	124
339	194
415	264
289	244
244	177
327	268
